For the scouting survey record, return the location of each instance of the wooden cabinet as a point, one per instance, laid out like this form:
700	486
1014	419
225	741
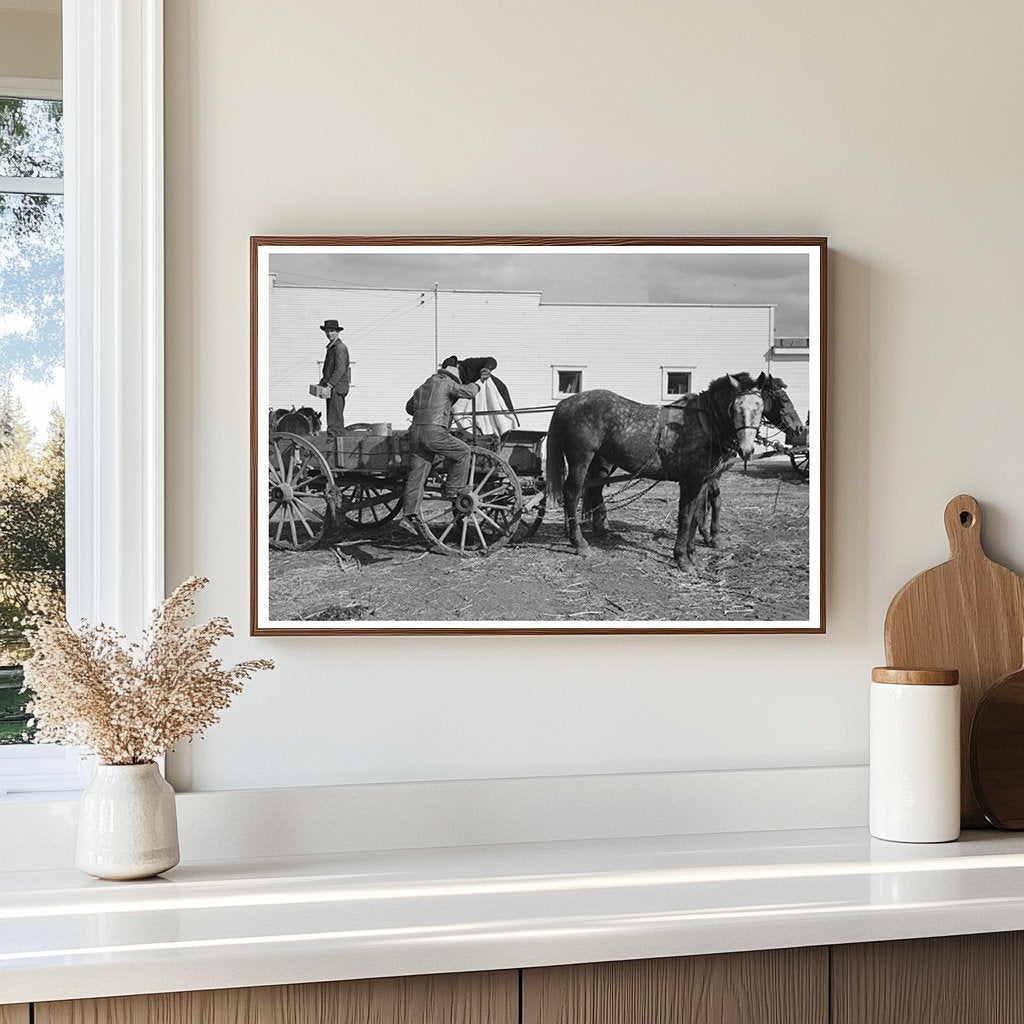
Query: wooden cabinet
962	979
777	986
967	979
491	998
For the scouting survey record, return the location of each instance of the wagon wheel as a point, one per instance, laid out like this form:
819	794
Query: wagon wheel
386	501
801	461
534	506
301	493
483	518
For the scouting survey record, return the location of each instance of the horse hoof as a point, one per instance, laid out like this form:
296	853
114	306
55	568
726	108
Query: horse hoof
584	551
684	564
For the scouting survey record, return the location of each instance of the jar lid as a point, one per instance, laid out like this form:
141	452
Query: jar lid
916	676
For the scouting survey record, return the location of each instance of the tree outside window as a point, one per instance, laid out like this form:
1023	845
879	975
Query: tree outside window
31	384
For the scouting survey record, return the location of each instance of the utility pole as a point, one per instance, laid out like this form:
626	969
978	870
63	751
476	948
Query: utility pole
437	358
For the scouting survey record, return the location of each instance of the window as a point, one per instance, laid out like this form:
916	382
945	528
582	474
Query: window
31	381
675	382
32	548
566	380
112	117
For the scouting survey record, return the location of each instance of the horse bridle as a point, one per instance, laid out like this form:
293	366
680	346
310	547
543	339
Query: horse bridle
725	422
770	401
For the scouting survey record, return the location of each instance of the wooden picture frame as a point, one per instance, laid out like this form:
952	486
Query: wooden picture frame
644	317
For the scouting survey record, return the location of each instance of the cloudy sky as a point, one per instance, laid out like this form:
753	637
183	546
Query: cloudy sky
779	278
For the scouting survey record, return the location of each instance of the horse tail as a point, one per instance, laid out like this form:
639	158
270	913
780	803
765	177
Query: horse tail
556	463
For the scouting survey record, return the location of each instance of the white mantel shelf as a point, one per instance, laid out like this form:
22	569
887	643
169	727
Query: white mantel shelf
226	924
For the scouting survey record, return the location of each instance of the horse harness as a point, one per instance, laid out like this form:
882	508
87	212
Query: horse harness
704	418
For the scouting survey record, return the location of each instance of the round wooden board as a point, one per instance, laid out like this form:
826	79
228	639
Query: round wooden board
997	752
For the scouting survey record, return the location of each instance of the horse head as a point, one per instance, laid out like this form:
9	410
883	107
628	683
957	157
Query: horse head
740	407
313	418
779	410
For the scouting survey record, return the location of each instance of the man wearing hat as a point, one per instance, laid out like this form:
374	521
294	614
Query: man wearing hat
431	410
336	375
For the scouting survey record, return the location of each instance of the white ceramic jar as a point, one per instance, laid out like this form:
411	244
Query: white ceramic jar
127	823
915	755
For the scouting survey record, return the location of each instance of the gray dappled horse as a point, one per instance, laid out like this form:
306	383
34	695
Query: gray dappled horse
780	412
598	431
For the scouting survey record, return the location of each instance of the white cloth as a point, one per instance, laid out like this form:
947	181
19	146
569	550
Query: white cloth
497	419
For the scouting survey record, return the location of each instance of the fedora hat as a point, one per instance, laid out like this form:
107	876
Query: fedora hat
331	325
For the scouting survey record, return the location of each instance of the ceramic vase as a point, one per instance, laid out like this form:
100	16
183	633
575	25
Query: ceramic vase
127	825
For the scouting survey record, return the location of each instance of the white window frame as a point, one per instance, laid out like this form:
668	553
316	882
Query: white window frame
665	371
114	347
566	368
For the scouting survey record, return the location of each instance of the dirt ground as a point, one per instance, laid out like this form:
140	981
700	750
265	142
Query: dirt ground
758	572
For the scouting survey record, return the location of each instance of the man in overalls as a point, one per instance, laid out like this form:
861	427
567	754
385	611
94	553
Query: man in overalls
430	435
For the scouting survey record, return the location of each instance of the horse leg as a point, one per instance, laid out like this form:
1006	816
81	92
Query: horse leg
704	515
709	509
716	511
593	496
686	526
574	483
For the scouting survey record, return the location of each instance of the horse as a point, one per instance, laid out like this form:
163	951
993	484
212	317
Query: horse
780	412
304	421
596	431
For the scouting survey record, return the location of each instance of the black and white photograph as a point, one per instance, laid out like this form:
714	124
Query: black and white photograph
537	435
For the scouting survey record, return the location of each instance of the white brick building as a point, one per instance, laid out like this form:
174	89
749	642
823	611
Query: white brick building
649	353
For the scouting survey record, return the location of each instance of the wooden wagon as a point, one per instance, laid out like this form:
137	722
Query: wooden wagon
322	483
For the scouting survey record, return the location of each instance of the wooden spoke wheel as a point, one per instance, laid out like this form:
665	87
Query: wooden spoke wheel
482	518
534	507
302	493
365	505
801	461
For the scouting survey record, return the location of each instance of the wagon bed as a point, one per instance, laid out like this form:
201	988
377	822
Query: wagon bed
321	483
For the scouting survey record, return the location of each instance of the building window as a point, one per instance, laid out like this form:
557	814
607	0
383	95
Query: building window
566	380
675	382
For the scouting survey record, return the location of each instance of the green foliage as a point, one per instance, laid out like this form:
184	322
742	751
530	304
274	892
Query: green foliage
14	719
31	523
31	144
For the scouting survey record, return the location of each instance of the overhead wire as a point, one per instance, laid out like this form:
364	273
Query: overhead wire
384	320
335	281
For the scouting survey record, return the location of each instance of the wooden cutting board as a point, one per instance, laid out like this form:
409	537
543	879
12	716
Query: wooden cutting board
967	614
997	752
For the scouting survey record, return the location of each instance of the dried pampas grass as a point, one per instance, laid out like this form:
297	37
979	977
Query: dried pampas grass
130	703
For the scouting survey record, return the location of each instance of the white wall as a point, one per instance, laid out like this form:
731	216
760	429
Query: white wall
30	42
619	347
895	129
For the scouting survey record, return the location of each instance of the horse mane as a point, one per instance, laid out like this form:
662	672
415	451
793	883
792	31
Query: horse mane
745	381
777	383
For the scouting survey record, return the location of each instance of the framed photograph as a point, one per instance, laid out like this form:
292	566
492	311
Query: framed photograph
537	435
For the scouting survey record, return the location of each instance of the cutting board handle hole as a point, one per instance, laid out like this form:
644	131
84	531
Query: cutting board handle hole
966	519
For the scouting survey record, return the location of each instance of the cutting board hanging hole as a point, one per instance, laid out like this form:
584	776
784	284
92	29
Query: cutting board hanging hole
963	526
